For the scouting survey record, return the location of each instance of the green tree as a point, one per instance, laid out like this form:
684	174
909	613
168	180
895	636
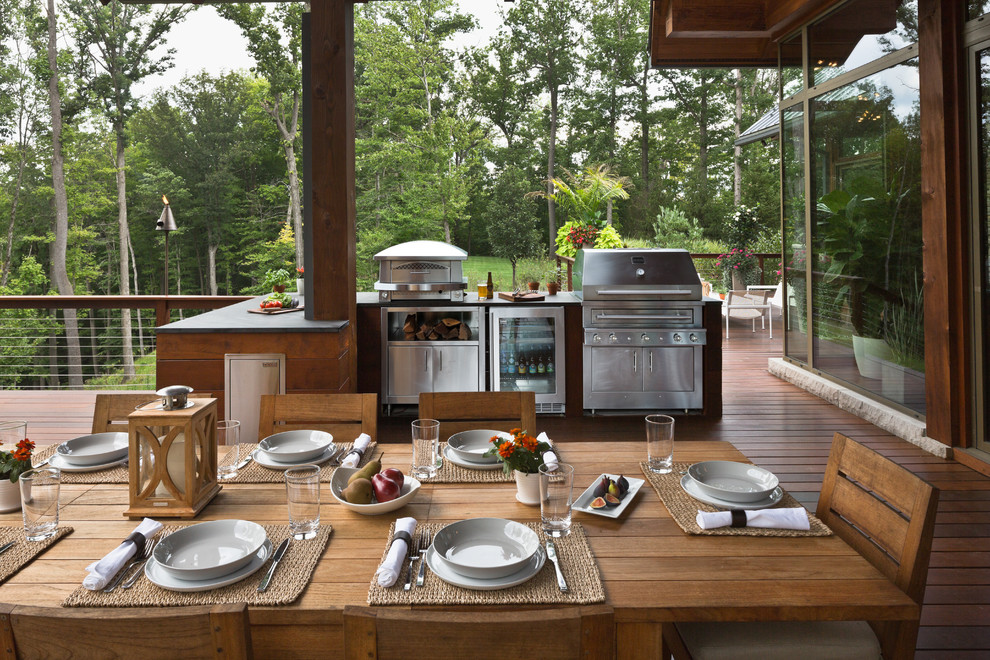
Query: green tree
511	230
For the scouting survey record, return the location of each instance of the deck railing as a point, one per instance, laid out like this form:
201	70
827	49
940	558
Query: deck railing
38	352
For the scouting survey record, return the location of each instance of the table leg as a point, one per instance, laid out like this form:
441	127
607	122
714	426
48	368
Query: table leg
637	641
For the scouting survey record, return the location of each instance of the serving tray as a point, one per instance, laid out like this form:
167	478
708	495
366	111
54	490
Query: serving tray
279	310
521	297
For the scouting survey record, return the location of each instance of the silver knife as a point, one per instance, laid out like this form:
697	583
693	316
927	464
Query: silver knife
552	554
282	547
7	546
250	457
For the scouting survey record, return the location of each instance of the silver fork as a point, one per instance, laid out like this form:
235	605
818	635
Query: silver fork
124	571
136	575
413	556
425	539
337	457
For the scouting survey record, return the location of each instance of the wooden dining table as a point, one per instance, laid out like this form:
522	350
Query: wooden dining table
651	570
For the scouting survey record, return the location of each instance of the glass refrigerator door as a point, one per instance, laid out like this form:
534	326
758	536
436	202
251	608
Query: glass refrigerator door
528	354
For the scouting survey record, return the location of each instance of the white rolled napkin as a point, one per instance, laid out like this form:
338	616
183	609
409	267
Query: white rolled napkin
793	518
391	568
549	458
352	458
100	572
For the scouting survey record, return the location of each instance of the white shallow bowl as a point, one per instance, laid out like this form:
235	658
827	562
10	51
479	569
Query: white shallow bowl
338	482
733	482
296	446
211	549
487	548
472	445
94	449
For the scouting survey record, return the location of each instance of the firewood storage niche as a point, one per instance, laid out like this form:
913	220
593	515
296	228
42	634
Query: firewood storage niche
431	349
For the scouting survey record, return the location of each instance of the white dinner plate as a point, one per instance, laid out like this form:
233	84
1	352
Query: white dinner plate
471	465
158	575
297	447
471	446
262	458
66	466
443	571
583	502
486	548
690	486
733	481
94	449
210	549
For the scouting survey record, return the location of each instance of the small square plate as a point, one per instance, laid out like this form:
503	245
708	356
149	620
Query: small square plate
583	502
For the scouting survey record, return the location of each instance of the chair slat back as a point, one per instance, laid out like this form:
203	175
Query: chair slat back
111	410
463	411
585	632
345	416
207	632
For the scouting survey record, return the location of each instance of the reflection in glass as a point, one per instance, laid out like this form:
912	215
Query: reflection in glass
983	275
791	79
866	264
976	8
859	33
795	243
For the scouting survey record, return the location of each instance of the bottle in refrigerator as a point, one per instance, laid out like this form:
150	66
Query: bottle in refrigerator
540	367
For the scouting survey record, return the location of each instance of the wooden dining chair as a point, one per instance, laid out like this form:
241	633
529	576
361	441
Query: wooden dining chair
885	513
403	634
463	411
111	410
192	633
345	416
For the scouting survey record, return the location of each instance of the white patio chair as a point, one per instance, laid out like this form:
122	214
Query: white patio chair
748	305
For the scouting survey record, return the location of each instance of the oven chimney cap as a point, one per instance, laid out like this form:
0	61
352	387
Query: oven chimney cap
423	250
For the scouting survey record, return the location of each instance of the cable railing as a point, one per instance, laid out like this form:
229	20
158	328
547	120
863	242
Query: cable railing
80	342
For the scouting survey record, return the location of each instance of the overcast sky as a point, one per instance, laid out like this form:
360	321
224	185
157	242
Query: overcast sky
206	41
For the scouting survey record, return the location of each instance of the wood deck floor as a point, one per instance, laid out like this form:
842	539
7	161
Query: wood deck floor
777	426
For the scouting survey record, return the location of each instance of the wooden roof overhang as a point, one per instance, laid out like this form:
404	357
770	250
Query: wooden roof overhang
725	33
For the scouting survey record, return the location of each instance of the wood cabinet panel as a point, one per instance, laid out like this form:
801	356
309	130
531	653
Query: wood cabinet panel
200	346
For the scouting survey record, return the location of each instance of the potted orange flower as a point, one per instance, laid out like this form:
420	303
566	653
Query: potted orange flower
12	465
521	455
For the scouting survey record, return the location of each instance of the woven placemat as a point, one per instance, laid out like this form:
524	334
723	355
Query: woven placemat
455	474
117	474
290	580
584	581
23	551
254	473
684	508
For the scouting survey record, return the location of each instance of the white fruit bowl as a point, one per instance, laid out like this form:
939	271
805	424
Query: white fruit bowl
338	482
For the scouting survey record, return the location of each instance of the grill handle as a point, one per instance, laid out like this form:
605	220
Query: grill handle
644	292
642	317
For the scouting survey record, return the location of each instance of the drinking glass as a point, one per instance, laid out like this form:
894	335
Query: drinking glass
660	443
39	502
426	448
302	489
482	290
229	438
556	497
12	432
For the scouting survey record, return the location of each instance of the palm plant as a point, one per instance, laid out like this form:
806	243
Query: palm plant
584	197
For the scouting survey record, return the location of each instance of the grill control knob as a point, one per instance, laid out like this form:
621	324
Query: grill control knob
612	339
677	337
645	337
596	338
694	338
640	272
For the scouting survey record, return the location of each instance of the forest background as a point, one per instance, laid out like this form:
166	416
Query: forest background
449	139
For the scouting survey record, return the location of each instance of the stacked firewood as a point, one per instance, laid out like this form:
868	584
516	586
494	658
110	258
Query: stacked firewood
446	329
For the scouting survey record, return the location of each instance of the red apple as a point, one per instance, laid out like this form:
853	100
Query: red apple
395	474
386	490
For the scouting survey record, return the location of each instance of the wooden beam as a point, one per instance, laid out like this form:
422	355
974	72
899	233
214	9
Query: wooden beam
711	18
944	212
334	294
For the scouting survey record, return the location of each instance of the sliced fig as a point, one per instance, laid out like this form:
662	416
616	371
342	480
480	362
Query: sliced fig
598	503
611	500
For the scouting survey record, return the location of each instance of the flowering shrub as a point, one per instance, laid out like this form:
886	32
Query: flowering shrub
737	259
520	452
13	463
572	236
582	235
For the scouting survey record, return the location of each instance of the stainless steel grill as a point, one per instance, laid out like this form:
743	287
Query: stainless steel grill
643	331
421	270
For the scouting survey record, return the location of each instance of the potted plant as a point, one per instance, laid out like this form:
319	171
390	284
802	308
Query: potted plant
299	279
553	277
521	455
738	266
12	465
277	279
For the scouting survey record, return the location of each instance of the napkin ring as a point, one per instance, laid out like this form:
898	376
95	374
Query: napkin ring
357	452
738	518
401	536
138	539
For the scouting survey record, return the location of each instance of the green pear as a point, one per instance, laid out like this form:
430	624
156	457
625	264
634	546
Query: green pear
367	472
358	491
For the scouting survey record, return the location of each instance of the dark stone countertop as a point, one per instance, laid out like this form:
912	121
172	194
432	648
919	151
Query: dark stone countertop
470	298
236	319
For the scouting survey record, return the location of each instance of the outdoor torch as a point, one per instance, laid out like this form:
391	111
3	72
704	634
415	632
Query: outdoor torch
166	223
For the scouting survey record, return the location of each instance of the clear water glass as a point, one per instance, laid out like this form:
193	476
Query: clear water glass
556	498
39	502
426	448
302	490
228	445
660	443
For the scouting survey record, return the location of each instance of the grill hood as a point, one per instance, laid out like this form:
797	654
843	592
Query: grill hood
636	274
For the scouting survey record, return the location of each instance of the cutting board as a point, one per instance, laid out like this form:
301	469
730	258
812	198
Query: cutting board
279	310
531	296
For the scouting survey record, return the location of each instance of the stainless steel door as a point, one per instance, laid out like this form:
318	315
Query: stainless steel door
410	371
670	369
455	368
615	369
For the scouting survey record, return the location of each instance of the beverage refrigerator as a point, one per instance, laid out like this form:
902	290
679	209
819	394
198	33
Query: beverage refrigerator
526	353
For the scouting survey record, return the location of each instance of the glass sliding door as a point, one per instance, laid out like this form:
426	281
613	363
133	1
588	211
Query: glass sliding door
795	241
980	74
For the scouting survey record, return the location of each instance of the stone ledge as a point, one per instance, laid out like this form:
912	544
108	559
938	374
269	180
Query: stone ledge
890	420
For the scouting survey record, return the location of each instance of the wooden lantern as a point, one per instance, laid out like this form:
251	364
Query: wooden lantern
173	460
